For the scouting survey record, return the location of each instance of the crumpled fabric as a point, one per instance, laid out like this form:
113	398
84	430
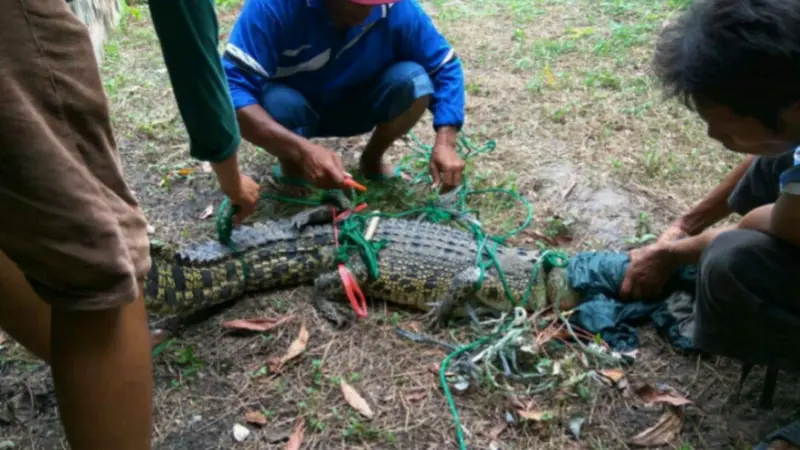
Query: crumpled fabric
597	276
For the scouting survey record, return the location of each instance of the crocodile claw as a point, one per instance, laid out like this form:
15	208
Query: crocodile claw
339	316
314	216
433	320
337	198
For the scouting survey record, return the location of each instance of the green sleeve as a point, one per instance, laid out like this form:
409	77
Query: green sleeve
188	33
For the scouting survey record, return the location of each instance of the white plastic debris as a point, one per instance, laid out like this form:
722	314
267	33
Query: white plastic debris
240	432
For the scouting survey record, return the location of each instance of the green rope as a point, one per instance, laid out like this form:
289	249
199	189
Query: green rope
549	258
224	226
351	238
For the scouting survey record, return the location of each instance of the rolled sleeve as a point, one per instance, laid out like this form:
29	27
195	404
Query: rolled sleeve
790	178
188	34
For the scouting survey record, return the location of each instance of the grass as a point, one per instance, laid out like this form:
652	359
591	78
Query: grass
582	132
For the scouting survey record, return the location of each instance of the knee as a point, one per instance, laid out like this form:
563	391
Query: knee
289	108
731	256
405	85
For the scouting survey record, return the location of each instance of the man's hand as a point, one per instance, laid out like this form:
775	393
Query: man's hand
243	194
648	271
322	167
239	188
446	166
677	230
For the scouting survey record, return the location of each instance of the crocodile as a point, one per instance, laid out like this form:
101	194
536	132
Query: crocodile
423	265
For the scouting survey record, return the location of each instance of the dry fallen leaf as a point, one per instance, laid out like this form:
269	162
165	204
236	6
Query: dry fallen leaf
665	394
297	347
615	378
416	395
535	415
207	212
414	326
257	324
434	368
255	417
297	436
497	430
663	432
356	400
518	403
613	374
549	75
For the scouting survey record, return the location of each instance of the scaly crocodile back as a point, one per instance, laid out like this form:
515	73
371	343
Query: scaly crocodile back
269	255
421	259
417	264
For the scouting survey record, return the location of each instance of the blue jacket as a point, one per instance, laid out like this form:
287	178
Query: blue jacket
295	43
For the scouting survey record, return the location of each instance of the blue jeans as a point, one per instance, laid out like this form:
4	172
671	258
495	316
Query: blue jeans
382	100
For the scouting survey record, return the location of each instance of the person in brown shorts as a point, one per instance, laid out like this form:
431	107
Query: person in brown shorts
73	241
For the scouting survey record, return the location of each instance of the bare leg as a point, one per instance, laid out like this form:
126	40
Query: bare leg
385	134
23	314
100	361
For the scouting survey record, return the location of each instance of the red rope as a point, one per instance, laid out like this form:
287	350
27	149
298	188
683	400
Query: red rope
351	288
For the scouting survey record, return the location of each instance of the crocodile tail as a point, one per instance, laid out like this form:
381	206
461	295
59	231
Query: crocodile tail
176	286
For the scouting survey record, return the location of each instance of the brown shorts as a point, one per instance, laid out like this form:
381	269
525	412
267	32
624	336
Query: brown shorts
67	218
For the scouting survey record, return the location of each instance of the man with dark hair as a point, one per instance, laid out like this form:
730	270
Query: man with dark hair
737	63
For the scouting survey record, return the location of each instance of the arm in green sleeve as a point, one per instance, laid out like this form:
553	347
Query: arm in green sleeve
188	33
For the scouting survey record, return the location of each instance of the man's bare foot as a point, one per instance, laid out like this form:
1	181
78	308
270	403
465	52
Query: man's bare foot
289	180
374	169
782	445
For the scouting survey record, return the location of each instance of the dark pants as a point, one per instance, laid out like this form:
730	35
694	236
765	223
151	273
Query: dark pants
357	112
748	291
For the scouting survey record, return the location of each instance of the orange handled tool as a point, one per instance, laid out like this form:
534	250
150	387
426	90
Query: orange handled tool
351	183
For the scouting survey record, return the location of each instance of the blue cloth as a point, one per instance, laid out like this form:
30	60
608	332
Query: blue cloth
791	176
597	276
379	100
295	43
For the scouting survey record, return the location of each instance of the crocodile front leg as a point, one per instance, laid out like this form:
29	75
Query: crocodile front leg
317	215
330	297
461	288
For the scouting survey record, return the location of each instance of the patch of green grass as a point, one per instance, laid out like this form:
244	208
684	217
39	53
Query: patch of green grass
621	38
603	79
181	357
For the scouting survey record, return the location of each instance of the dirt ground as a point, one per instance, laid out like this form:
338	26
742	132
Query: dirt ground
563	86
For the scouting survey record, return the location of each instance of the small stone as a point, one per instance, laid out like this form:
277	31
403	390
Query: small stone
240	432
461	385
